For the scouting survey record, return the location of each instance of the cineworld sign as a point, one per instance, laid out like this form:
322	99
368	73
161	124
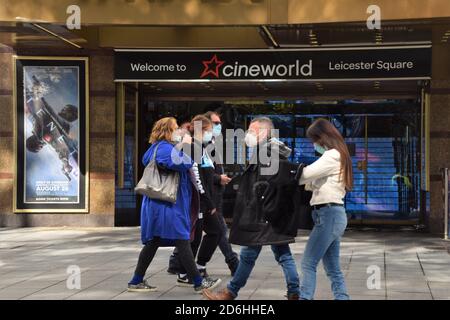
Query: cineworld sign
359	63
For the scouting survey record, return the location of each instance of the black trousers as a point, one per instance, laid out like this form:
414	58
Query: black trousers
210	241
185	257
195	244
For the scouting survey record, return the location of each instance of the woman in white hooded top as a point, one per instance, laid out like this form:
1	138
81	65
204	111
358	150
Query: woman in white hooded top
328	178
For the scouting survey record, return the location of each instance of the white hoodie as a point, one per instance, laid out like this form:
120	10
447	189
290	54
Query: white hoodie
323	178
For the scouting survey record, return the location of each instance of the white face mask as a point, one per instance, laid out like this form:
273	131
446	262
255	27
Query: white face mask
177	138
177	135
251	140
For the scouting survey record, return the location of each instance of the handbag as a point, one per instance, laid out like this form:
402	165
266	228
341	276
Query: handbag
158	184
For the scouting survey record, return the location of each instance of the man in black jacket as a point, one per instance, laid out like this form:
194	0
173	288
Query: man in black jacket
220	181
250	227
203	169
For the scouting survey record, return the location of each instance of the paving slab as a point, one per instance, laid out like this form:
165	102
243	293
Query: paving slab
35	264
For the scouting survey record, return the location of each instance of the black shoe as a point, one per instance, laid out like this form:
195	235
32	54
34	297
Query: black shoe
184	281
172	270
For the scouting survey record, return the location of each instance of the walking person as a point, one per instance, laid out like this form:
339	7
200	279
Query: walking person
174	264
328	178
164	223
249	229
220	181
203	167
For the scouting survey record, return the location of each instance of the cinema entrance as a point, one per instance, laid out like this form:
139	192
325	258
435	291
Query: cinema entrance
383	121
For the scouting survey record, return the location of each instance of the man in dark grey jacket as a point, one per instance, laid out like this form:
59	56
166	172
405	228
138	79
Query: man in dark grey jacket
250	228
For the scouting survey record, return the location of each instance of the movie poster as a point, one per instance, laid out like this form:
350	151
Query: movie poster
51	135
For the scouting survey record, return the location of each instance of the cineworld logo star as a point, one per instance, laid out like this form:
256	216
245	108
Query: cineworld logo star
213	68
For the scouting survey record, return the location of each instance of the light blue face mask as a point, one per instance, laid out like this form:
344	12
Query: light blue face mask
217	130
207	136
319	148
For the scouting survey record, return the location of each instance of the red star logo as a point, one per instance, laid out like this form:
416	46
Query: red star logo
214	69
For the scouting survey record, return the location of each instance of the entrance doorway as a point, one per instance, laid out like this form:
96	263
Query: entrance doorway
383	135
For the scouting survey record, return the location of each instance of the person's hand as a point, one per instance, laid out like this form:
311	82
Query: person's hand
213	211
186	139
224	179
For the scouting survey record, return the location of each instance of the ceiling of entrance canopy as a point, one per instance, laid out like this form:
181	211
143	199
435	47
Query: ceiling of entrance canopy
35	35
404	89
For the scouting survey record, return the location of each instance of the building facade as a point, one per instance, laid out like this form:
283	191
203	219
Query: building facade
396	123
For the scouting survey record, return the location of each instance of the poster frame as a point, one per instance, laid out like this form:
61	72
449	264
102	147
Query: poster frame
84	135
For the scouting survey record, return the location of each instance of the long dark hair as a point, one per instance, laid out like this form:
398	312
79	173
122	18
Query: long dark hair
324	133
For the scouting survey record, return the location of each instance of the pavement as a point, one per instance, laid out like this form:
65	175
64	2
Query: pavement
44	263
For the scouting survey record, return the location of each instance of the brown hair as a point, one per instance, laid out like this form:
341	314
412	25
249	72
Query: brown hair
163	129
199	118
324	133
209	114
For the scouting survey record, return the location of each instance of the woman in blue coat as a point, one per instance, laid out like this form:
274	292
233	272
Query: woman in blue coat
164	223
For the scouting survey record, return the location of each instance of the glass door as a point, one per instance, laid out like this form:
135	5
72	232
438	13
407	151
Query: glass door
127	213
386	164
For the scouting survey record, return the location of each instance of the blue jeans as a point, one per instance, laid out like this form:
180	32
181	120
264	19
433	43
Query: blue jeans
323	244
247	261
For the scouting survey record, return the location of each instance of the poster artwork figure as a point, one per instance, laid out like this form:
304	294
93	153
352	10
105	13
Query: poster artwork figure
50	128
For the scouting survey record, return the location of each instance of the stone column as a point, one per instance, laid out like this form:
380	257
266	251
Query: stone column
6	134
439	132
102	138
